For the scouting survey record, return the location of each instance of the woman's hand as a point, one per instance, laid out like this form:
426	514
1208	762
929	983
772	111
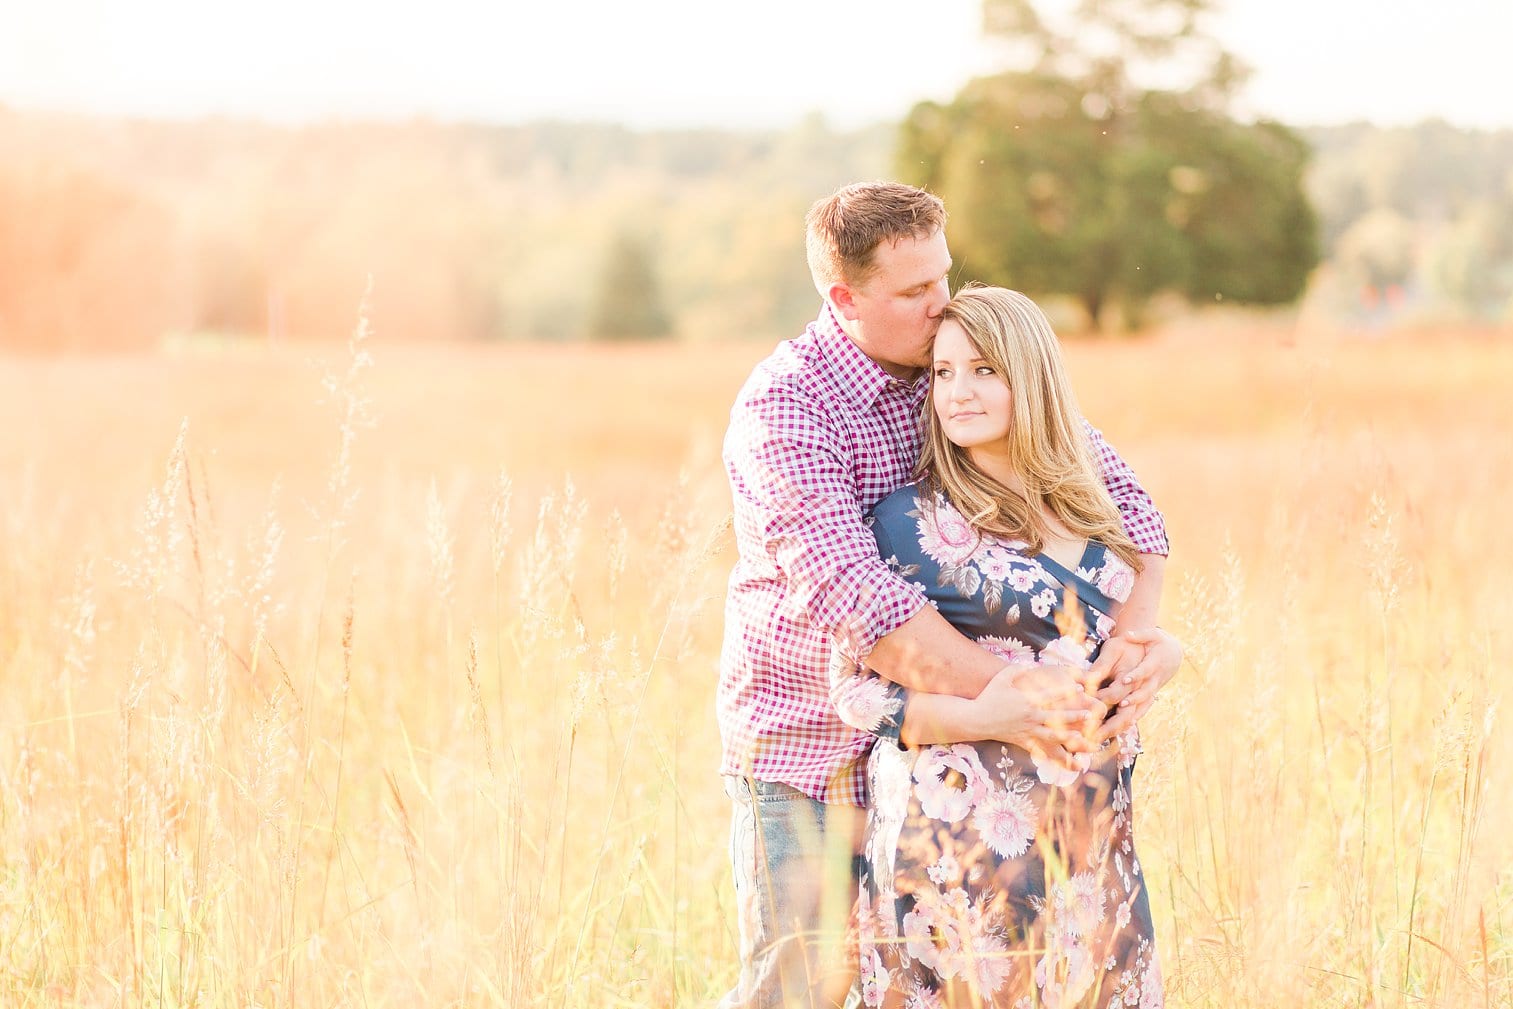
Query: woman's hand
1134	687
1042	708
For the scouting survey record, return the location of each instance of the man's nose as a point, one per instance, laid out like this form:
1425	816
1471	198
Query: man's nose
939	297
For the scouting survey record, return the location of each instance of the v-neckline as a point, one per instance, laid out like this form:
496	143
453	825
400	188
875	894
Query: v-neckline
1087	590
1087	546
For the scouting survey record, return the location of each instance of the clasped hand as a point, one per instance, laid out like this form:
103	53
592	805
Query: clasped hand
1059	711
1131	667
1045	709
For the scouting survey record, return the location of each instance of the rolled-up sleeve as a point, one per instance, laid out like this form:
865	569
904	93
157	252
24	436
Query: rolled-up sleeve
866	701
862	698
795	492
1142	520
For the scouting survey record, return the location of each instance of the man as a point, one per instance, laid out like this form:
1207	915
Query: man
824	428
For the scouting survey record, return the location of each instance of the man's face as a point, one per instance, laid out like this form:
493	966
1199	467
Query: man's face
895	312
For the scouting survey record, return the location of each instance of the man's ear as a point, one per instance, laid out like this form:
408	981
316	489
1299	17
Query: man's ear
844	299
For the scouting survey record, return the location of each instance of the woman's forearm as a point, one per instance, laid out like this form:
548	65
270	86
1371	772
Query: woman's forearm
938	718
1022	704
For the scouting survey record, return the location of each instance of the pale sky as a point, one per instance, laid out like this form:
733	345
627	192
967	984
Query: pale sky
693	62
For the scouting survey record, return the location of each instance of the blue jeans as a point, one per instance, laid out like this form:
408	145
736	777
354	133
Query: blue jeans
794	861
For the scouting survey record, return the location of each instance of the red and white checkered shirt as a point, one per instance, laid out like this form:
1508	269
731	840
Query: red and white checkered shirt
818	435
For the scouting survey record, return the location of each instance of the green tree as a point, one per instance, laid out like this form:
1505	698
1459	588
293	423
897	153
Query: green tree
1378	250
628	305
1072	178
1470	265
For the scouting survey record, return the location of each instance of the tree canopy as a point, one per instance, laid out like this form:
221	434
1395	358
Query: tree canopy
1071	177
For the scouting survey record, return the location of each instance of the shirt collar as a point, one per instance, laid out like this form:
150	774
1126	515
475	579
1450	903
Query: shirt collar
861	379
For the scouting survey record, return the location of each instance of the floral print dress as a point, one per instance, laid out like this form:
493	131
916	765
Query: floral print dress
991	877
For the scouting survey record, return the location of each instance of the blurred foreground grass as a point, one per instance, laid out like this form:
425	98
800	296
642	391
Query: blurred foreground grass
398	690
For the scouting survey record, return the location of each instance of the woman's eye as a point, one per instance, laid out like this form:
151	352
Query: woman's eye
985	370
942	373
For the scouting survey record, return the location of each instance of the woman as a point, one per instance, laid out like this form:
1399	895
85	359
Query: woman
1002	873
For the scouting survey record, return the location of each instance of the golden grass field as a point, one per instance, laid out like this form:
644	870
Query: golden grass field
400	692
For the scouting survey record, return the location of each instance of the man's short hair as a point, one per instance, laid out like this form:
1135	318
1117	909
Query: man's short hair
843	230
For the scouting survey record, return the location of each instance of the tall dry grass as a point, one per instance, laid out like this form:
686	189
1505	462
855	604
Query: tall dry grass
397	690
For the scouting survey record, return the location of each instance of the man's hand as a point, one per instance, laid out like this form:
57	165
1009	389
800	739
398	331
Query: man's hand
1116	659
1044	708
1142	663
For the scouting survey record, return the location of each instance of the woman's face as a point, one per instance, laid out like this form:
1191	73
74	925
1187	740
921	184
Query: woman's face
972	401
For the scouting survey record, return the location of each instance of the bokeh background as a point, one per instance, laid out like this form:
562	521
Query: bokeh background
363	530
582	171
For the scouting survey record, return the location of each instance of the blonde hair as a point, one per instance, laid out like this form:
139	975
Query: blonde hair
1048	440
842	232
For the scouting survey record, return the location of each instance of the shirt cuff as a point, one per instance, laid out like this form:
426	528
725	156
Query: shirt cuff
881	605
1148	531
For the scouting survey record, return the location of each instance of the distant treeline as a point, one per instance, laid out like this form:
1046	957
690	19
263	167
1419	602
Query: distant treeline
1418	219
114	234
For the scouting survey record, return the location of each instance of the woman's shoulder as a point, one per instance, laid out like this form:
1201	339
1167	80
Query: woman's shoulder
1106	570
899	505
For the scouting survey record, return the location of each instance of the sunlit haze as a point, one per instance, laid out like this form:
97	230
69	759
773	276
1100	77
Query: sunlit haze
692	62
